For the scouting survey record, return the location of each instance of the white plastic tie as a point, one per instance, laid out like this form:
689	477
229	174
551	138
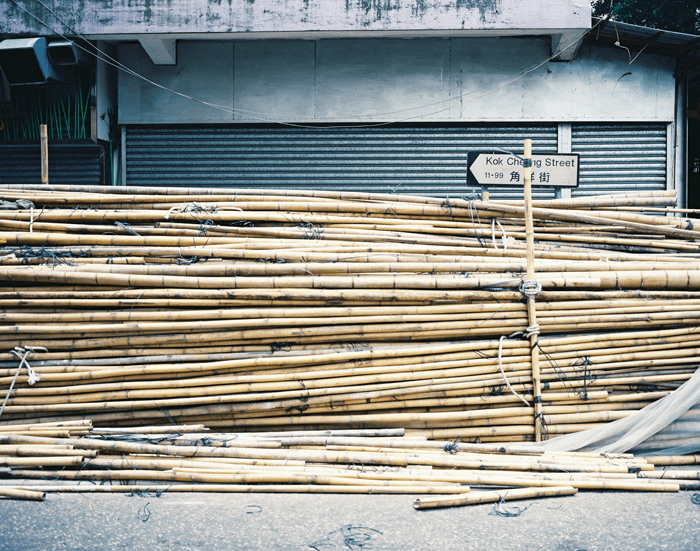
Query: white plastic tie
34	377
500	366
504	237
193	207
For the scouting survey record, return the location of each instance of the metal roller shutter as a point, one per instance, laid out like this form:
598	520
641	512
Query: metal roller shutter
426	159
620	157
69	163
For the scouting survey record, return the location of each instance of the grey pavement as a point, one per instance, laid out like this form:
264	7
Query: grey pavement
587	521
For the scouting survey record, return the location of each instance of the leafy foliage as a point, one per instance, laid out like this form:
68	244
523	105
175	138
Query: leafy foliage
673	15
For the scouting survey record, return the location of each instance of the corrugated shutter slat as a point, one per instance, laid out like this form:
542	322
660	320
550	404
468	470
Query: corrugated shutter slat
620	157
427	160
69	164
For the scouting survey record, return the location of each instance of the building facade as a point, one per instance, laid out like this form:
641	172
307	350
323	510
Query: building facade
382	95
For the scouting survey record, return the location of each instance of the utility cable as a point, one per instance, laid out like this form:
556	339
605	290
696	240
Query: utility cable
274	118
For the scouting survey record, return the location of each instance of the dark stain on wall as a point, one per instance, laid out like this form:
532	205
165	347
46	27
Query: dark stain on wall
28	22
485	7
305	12
375	10
165	11
147	10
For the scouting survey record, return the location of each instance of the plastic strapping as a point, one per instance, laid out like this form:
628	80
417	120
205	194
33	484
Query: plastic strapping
22	354
500	366
33	375
504	237
530	288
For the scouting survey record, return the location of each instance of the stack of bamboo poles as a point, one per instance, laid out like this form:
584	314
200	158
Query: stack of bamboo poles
441	390
260	310
57	457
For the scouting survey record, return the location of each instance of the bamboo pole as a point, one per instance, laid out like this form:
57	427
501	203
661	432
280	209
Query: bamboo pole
22	493
411	269
533	327
477	498
44	139
430	470
673	460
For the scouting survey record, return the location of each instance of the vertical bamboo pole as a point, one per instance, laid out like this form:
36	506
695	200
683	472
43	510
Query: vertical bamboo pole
531	309
44	155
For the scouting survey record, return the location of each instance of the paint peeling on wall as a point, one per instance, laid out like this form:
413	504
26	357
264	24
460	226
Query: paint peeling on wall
488	9
97	17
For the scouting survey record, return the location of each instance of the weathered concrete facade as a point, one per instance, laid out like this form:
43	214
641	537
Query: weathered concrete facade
157	24
454	80
128	17
225	66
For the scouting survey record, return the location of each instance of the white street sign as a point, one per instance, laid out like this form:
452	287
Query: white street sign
502	169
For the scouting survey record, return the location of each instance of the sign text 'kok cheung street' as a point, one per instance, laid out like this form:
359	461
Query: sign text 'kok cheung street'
502	169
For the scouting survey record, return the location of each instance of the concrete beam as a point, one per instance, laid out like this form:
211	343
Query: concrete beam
98	18
565	45
161	51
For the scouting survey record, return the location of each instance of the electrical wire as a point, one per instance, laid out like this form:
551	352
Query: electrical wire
107	59
275	118
119	65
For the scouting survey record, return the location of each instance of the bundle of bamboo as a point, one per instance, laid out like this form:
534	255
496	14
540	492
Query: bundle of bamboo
186	458
262	310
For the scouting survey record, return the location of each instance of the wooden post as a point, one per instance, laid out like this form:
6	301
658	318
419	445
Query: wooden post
44	155
531	308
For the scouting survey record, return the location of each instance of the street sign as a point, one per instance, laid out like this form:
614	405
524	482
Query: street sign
501	169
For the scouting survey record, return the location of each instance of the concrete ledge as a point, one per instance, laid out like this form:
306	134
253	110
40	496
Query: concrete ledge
98	18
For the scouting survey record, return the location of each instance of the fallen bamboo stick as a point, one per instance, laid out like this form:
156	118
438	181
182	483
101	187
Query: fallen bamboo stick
23	493
497	496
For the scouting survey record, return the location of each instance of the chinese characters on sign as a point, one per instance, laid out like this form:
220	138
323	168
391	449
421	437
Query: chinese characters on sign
536	177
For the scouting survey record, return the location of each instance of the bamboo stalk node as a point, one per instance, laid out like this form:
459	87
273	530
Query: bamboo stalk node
540	421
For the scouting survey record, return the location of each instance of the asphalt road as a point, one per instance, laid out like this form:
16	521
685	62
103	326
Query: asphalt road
587	521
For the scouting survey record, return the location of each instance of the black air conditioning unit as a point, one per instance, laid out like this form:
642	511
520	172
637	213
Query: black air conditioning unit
26	61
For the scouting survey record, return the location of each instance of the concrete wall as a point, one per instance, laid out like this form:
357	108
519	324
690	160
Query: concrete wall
458	79
132	17
106	87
